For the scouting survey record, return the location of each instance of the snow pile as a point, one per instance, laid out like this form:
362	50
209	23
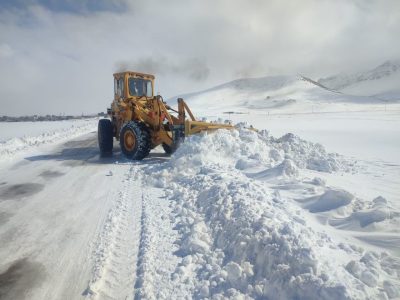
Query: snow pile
10	147
365	214
329	200
369	267
241	239
246	149
377	212
309	155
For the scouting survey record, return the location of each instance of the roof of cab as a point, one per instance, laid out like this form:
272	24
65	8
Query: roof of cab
135	74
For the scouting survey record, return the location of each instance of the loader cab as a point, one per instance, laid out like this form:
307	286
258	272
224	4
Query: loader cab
133	85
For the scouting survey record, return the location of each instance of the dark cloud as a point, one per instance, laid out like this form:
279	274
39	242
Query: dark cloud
195	69
250	70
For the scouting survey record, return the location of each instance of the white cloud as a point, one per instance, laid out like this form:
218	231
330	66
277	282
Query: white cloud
58	61
5	51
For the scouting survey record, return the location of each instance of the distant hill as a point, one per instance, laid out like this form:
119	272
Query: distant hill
298	92
382	82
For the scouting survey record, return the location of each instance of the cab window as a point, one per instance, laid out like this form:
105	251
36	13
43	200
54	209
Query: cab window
119	87
140	87
149	88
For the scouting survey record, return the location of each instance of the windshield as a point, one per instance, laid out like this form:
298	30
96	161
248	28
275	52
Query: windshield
140	87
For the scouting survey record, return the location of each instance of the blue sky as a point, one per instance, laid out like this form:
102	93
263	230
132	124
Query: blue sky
59	56
68	6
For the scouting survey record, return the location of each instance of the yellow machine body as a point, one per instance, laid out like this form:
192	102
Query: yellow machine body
134	100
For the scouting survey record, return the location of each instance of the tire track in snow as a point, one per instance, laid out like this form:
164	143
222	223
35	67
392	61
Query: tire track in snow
116	250
156	261
142	264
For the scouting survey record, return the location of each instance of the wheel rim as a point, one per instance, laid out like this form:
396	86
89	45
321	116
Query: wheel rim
129	140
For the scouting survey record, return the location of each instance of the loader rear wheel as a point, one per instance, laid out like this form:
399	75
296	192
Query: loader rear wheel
135	140
105	137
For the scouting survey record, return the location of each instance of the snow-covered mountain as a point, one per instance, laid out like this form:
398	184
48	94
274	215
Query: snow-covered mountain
300	93
382	82
268	93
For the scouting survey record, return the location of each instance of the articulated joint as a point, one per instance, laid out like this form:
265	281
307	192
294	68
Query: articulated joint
178	133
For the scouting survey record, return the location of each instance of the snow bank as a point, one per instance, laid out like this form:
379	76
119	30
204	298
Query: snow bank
310	155
242	239
246	149
370	267
365	214
331	199
44	135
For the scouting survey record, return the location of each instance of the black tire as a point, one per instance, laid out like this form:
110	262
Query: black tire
169	149
105	137
135	140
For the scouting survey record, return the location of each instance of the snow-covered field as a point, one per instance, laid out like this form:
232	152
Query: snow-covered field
19	137
14	130
371	135
306	208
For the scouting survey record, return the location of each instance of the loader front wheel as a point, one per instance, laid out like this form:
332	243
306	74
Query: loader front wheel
135	140
105	137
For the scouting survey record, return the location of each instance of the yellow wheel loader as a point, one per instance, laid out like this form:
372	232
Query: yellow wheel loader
142	121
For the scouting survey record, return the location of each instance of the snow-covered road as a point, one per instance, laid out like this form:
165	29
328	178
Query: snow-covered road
71	224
